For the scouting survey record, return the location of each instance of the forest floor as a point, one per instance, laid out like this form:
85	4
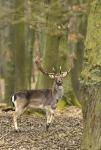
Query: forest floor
64	133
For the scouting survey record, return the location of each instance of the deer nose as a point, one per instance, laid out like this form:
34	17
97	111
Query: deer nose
59	82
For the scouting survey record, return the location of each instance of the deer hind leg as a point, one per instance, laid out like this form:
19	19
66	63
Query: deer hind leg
19	109
16	115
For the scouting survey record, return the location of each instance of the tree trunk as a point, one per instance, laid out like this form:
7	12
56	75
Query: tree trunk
16	77
92	117
50	59
77	31
51	43
91	75
8	53
29	42
19	46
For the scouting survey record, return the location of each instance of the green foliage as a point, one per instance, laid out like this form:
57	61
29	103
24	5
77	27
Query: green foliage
61	103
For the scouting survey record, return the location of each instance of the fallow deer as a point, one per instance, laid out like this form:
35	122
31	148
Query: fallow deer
40	98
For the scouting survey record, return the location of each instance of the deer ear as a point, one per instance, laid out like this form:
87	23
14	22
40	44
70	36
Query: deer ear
64	74
51	76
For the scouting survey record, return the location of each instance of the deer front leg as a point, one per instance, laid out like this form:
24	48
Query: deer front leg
50	117
47	117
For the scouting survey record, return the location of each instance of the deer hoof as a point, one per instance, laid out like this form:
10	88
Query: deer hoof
47	126
17	130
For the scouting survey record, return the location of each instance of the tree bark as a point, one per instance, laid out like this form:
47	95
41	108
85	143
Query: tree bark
29	42
16	77
91	79
91	108
19	46
50	59
8	52
77	31
51	45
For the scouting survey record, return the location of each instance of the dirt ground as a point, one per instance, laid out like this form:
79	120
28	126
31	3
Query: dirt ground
64	133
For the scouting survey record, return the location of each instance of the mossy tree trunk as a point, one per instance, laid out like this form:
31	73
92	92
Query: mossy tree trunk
8	53
29	55
29	42
91	108
2	50
50	59
51	44
91	75
77	31
65	65
19	46
16	55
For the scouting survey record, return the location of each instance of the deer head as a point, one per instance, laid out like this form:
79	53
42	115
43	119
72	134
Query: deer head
58	77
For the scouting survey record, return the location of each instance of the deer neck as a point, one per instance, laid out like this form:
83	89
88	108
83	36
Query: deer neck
57	91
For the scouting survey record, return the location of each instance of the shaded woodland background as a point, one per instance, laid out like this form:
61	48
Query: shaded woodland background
52	30
55	31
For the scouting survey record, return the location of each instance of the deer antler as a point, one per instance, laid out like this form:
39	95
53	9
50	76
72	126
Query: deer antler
69	70
51	75
65	73
60	70
38	63
72	58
